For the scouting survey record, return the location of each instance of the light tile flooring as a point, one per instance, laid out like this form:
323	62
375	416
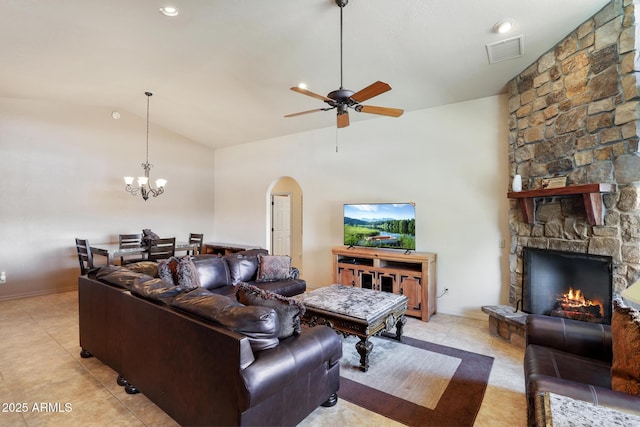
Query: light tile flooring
43	380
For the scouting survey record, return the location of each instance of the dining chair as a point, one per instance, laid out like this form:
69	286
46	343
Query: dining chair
162	249
126	241
85	258
197	239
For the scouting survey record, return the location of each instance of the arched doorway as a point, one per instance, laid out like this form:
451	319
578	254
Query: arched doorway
284	225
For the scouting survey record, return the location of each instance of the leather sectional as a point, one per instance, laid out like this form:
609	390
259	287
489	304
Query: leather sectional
571	358
201	356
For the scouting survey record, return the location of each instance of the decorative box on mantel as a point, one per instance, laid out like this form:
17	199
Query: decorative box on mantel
591	194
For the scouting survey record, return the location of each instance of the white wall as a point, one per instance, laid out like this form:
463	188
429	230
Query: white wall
451	161
61	169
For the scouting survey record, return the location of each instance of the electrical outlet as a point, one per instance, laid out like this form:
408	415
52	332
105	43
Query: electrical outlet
3	277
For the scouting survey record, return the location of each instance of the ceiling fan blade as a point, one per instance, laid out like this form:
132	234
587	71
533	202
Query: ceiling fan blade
311	94
343	120
305	112
370	91
384	111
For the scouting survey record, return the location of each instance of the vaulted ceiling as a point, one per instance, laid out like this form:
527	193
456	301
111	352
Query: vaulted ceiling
221	70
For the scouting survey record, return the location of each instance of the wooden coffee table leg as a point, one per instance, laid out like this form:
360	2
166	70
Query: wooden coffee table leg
364	347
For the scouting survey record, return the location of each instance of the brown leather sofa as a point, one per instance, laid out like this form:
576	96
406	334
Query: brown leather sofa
571	358
191	360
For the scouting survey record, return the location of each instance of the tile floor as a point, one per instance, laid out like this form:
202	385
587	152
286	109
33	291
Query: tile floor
43	380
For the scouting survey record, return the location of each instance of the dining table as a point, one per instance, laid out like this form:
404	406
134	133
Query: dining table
113	250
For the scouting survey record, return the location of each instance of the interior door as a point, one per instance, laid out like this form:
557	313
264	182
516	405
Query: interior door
281	224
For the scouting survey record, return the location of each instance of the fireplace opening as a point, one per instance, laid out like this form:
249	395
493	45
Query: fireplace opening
566	284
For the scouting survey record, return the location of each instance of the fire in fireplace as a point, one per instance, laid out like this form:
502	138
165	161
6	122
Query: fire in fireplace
566	284
573	305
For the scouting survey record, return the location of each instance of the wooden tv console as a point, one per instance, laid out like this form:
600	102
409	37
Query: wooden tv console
412	274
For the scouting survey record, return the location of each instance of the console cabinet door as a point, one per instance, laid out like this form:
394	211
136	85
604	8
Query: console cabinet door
411	286
387	282
368	279
347	276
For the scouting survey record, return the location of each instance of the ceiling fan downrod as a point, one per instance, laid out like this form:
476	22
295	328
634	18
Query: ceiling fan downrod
341	4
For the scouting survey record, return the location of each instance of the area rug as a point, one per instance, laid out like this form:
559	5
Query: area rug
415	382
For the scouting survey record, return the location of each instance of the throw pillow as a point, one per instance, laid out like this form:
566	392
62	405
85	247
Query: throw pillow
625	337
273	267
289	310
168	270
187	274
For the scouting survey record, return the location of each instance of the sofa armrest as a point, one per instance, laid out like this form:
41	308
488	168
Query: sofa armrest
273	369
596	395
573	336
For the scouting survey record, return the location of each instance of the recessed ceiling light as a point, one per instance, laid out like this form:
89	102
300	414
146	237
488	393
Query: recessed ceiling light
115	115
169	11
503	26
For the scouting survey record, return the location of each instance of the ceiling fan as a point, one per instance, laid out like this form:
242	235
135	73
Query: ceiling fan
343	99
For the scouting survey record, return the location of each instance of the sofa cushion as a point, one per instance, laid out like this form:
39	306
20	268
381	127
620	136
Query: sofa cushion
625	335
541	361
187	274
156	290
213	271
120	276
149	268
259	324
289	310
168	270
273	267
242	267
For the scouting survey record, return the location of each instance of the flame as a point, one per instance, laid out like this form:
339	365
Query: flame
575	298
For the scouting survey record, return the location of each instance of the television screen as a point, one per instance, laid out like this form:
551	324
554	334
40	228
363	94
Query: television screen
380	225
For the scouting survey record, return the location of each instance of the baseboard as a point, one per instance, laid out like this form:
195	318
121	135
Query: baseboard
37	293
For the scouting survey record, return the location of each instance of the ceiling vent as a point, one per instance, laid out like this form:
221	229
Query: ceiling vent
505	49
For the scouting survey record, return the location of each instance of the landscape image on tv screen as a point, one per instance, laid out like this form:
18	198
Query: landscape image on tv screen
380	225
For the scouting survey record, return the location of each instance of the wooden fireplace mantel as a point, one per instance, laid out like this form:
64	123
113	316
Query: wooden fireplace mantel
591	194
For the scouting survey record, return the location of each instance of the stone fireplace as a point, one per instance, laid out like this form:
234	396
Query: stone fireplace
575	113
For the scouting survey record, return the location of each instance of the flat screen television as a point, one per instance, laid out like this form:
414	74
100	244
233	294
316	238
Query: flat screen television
380	225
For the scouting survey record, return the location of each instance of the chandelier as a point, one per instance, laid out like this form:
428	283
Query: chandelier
143	186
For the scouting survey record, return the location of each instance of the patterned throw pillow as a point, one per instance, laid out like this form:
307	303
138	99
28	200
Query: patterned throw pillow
289	310
273	267
168	270
188	274
625	336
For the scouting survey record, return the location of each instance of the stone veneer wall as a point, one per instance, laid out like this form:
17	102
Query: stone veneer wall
575	112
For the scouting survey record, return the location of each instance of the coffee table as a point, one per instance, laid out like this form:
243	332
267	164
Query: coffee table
355	311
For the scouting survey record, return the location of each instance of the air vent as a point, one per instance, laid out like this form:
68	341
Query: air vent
505	49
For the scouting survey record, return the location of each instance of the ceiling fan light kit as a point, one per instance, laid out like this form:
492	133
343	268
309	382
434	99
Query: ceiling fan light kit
342	99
